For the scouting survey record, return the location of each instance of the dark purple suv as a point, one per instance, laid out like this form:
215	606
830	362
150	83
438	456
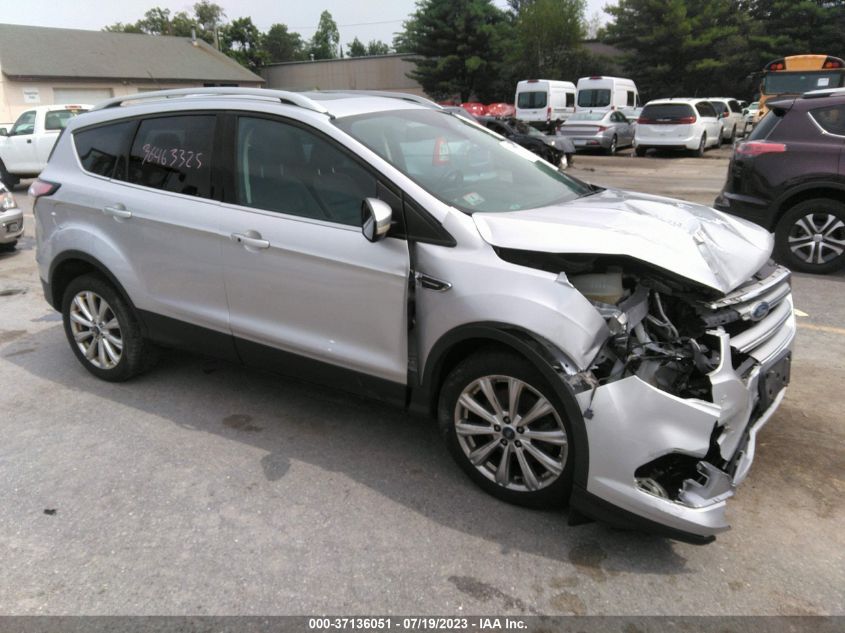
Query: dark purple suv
788	176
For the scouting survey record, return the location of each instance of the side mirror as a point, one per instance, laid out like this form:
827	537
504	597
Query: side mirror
4	131
376	215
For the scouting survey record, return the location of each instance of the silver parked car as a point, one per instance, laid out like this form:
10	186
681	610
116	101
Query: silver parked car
605	130
11	220
617	350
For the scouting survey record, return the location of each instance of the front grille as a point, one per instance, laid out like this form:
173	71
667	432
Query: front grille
754	314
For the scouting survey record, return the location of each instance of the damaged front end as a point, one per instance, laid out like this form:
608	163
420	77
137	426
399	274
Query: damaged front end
681	387
675	397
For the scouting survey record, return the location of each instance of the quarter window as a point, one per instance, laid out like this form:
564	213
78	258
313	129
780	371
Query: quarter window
174	154
831	120
284	168
102	150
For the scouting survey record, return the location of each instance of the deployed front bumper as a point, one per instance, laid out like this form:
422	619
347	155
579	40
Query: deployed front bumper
631	424
11	225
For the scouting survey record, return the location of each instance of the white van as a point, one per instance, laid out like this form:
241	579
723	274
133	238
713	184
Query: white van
544	102
608	93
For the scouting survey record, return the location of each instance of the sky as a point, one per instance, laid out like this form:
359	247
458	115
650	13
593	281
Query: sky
364	19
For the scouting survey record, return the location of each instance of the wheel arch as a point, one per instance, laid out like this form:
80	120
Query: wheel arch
71	264
550	361
833	190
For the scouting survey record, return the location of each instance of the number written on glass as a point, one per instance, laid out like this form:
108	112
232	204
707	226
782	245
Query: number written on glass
173	157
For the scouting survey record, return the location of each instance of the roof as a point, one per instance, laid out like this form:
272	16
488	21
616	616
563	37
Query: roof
36	51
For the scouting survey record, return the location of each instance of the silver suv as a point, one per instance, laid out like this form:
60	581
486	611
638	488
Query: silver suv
617	350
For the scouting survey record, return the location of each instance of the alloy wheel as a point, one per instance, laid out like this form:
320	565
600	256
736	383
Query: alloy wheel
817	238
511	433
96	330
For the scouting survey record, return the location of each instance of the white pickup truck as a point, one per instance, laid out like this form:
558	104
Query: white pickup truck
25	148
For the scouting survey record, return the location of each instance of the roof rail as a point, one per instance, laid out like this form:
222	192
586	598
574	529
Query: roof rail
291	98
824	92
405	96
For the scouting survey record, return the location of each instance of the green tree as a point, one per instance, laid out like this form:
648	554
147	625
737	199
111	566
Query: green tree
324	44
282	45
209	17
794	27
120	27
242	41
459	48
377	47
356	48
548	38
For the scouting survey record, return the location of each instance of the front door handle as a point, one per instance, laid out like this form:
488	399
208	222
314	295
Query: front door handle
117	211
251	239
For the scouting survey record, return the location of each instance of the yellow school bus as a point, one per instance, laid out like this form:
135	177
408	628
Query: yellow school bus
795	75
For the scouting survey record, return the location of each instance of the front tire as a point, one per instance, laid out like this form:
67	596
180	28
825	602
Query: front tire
103	331
810	237
8	247
640	151
507	429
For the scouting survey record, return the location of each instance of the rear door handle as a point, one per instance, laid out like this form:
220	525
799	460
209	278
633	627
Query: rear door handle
251	239
117	211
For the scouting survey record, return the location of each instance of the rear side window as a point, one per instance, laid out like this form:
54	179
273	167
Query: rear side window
705	109
719	107
102	150
570	99
531	100
767	125
631	99
831	119
174	154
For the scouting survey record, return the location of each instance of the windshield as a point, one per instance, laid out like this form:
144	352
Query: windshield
778	83
460	162
587	116
594	98
531	100
523	128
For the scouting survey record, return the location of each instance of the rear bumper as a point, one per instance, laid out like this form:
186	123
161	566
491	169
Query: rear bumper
667	142
11	225
748	208
588	142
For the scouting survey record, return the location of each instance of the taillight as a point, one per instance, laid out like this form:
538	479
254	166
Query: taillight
601	128
833	62
549	113
758	148
43	188
644	121
686	120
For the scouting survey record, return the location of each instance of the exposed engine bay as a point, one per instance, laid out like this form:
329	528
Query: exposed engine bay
685	340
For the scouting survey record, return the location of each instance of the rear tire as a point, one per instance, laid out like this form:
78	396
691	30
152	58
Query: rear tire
611	151
527	464
103	331
698	153
8	247
810	237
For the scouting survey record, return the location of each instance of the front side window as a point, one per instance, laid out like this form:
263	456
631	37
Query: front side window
531	100
460	163
831	119
594	98
25	124
102	150
174	154
284	168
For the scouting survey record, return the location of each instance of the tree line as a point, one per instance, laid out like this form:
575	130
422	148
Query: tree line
244	42
473	49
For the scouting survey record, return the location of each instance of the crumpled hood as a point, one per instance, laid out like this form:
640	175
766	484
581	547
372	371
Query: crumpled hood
691	240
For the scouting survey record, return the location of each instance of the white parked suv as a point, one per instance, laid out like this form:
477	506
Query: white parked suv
730	114
614	349
683	124
25	148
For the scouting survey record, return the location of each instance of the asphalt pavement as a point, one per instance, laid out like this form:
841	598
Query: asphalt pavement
204	488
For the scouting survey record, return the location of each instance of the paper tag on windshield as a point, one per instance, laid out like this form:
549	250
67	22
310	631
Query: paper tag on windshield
473	199
823	81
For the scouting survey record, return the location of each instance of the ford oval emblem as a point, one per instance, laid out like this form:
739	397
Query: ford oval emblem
759	310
